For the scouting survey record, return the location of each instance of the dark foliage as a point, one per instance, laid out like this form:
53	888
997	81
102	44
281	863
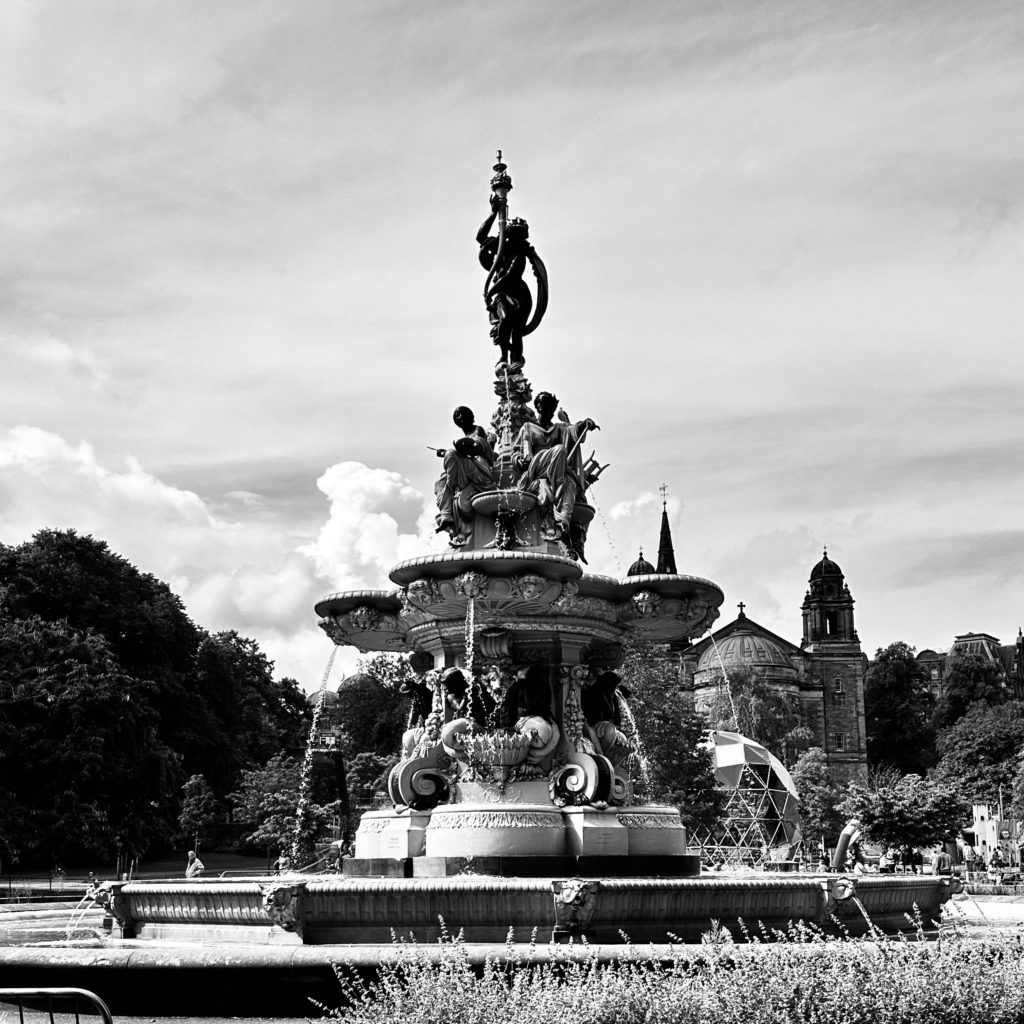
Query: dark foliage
969	679
898	710
979	753
680	768
111	697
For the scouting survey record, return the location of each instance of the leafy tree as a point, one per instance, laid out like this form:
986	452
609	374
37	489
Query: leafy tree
906	810
1017	800
248	716
366	774
62	576
897	709
979	752
759	712
85	768
372	706
969	679
198	809
268	799
680	768
101	662
820	820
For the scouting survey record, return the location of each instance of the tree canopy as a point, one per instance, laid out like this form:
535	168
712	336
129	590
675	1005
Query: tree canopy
111	697
680	769
898	709
969	679
752	708
267	800
980	751
906	810
820	797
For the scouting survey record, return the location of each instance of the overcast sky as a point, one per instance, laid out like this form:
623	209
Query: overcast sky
239	291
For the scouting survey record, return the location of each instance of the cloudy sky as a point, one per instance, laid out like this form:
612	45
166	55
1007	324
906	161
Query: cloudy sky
239	292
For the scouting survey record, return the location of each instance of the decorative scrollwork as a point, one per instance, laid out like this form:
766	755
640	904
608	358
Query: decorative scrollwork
419	784
584	779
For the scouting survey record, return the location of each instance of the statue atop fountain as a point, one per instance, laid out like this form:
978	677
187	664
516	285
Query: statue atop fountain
516	746
504	256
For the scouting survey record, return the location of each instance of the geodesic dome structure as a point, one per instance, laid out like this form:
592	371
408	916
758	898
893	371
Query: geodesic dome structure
762	816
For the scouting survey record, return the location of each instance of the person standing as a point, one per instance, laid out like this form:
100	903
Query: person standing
943	863
194	867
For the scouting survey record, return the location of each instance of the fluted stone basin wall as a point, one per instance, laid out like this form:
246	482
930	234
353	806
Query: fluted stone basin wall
293	909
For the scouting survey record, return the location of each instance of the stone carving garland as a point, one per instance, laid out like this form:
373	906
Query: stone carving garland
648	821
495	819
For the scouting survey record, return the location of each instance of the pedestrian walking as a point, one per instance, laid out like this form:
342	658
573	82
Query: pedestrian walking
194	867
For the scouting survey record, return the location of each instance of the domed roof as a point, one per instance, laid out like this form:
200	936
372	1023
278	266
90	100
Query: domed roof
330	698
359	681
641	567
744	647
826	567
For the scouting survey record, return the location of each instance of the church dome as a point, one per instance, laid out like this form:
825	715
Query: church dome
826	567
360	681
743	647
641	567
330	698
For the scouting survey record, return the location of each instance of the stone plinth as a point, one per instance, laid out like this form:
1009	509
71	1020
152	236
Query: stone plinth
595	833
495	830
391	834
653	830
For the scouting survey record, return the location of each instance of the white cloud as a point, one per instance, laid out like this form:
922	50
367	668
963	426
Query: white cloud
240	574
56	356
363	537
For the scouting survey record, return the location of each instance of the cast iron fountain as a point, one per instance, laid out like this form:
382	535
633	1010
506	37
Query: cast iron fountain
513	804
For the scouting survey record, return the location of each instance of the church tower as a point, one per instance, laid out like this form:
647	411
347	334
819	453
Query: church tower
836	664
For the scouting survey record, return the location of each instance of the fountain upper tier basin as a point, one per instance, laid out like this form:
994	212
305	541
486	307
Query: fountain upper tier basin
506	587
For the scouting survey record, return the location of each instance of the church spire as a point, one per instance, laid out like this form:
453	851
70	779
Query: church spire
666	556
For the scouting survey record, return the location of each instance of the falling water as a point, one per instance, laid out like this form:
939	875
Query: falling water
307	763
607	531
505	449
78	915
725	677
470	634
642	763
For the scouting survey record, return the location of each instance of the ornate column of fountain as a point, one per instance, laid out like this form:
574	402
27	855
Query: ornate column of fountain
517	751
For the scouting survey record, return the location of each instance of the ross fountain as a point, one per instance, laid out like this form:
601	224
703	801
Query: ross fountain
513	803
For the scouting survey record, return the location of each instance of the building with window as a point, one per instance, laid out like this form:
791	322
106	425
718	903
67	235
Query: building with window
1008	658
822	677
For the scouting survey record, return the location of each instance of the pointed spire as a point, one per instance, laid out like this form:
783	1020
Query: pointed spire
666	556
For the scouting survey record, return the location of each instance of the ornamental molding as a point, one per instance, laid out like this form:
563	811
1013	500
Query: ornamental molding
495	819
649	821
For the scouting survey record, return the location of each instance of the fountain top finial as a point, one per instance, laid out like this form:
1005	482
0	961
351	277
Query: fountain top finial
501	183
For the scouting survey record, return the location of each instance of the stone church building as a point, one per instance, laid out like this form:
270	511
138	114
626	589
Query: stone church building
822	677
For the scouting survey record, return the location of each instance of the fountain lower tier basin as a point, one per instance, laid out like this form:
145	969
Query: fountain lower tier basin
304	910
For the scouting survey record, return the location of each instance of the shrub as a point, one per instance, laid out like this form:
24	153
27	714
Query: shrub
799	977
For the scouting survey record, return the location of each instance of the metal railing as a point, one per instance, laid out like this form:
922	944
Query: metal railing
34	998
